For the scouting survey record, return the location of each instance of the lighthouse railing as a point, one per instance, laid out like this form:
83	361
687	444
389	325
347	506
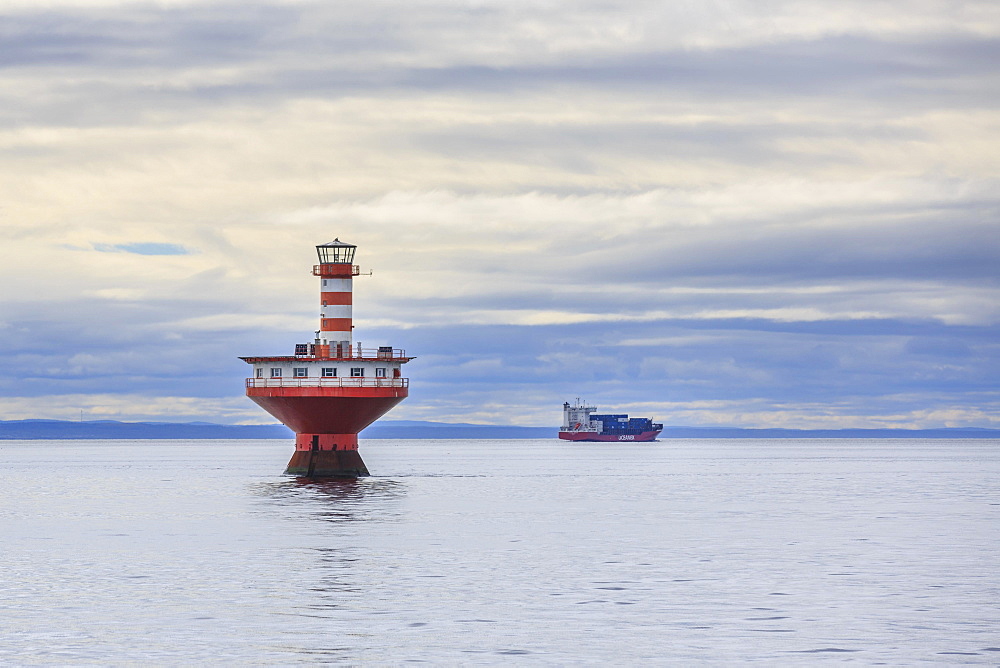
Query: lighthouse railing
332	270
328	382
355	352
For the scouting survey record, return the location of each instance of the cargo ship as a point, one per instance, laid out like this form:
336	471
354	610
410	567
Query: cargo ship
580	424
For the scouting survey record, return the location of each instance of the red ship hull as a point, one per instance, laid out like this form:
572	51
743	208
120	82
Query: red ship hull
326	422
643	437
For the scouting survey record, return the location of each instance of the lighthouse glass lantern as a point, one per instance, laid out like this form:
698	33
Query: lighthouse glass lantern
336	252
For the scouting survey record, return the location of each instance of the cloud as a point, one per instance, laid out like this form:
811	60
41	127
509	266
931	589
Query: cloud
128	407
124	63
691	254
721	213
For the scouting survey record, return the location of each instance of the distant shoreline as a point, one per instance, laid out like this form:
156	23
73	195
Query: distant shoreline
412	429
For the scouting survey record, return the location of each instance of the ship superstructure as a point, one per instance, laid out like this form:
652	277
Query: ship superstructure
332	388
580	424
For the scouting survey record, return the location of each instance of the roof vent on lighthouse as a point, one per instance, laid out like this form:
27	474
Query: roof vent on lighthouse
336	252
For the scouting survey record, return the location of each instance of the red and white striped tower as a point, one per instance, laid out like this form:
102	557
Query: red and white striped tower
336	271
330	389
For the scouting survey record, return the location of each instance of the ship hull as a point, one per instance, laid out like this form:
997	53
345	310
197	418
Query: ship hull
589	436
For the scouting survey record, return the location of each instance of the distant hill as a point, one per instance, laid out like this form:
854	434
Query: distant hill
403	429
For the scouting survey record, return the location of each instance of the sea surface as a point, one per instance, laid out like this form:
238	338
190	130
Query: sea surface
520	552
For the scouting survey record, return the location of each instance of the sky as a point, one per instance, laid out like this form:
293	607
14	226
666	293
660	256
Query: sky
714	213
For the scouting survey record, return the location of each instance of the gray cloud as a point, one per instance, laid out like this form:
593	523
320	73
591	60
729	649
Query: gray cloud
165	59
740	361
726	215
944	250
123	38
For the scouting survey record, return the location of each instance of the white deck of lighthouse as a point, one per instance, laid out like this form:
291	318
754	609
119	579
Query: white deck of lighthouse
332	388
360	367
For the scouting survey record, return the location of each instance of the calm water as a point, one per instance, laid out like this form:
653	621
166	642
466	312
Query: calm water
502	552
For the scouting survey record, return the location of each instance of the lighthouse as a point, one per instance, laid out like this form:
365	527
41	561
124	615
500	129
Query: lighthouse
332	388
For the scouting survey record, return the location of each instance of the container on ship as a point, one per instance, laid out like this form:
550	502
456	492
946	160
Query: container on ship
580	424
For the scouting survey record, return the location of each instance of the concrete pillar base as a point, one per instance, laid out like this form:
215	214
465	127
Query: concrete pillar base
327	464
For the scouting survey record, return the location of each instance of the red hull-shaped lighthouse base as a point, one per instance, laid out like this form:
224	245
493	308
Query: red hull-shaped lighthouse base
326	422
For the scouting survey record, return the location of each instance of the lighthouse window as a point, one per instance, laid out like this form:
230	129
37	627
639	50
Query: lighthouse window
260	372
276	372
357	372
329	372
300	372
380	372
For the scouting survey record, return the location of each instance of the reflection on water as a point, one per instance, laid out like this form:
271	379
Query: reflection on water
335	577
335	499
332	569
710	553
